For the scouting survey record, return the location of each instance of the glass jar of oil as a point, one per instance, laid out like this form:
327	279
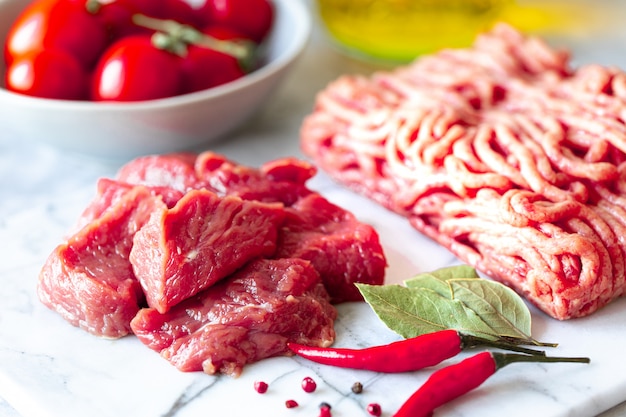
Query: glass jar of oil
400	30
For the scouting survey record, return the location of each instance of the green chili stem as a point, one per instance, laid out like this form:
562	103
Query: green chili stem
471	341
503	359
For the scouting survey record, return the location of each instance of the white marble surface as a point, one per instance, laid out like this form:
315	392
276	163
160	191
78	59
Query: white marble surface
50	369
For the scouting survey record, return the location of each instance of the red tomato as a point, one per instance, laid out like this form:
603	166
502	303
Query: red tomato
48	74
132	69
251	17
148	7
182	12
117	18
204	68
118	14
63	25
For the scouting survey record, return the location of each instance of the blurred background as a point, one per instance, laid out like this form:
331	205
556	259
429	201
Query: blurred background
398	30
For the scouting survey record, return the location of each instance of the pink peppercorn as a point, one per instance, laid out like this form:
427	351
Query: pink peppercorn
260	387
308	384
291	403
374	410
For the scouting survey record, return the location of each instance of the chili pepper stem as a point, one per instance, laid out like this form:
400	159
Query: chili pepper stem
503	359
520	341
471	341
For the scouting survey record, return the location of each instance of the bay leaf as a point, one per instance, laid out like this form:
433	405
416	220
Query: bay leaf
414	311
437	280
496	304
433	299
430	282
454	272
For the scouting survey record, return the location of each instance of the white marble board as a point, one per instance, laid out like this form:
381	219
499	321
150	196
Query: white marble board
51	369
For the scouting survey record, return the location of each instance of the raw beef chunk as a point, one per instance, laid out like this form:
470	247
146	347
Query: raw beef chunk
201	240
243	319
282	180
111	191
345	250
173	171
342	249
212	264
88	279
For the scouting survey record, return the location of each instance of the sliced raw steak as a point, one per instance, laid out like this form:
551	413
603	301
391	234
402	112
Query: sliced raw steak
89	279
198	242
111	191
243	319
342	249
232	261
174	171
282	180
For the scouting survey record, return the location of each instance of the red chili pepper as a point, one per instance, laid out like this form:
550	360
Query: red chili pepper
455	380
402	356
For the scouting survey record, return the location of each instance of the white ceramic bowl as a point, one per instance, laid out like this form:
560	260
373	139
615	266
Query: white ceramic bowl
124	130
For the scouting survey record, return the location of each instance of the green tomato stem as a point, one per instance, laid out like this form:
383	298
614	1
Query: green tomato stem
240	49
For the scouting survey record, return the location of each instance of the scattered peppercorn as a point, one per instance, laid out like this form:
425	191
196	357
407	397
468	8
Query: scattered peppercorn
325	405
291	403
357	387
374	409
260	387
308	384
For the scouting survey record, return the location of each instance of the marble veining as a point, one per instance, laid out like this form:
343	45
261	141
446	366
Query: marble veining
51	369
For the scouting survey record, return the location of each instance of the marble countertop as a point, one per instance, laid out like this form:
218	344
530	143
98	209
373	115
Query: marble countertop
50	369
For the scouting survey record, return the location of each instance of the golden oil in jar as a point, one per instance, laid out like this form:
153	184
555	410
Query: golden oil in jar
400	30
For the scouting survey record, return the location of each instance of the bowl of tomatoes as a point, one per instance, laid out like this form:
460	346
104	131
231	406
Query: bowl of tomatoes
122	78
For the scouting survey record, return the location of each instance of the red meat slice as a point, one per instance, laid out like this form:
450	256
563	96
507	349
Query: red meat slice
228	258
174	171
282	180
243	319
201	240
88	279
111	191
342	249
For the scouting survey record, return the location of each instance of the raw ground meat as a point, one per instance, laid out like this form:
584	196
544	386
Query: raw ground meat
254	250
248	317
501	153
